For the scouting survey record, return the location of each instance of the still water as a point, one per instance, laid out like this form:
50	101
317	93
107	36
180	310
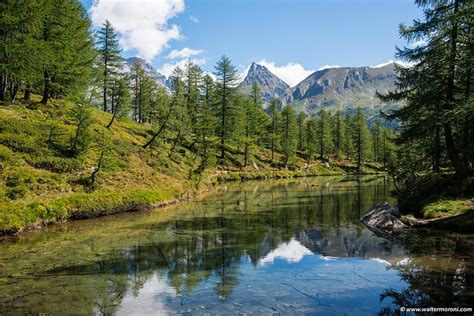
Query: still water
273	247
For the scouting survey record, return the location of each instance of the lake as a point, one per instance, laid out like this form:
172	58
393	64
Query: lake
265	247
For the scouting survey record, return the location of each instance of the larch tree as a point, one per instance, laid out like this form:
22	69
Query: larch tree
274	127
67	49
110	60
300	121
289	139
227	78
361	138
324	133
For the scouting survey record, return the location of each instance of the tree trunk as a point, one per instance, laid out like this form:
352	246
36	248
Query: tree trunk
3	87
162	127
437	151
112	120
14	86
47	89
222	157
453	153
27	95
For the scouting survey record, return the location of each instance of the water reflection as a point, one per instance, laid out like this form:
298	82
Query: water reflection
264	247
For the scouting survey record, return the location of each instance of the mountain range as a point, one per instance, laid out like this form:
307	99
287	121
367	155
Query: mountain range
344	88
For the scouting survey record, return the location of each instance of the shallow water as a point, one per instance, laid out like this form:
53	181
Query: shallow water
273	247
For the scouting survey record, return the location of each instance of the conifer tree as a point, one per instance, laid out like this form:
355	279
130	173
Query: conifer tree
110	59
121	97
361	138
288	133
312	139
438	86
274	126
20	28
193	83
300	121
348	148
66	46
227	78
261	118
206	120
338	131
324	134
377	135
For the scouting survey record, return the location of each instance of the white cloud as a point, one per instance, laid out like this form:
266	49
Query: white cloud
291	73
142	24
293	251
184	53
167	69
328	66
194	19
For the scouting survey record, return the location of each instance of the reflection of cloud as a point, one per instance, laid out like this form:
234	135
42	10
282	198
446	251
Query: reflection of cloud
381	261
149	300
292	251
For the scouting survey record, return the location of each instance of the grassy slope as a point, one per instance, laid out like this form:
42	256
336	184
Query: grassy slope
38	185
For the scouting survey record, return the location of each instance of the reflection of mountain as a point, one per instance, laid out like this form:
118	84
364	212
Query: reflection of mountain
199	252
348	243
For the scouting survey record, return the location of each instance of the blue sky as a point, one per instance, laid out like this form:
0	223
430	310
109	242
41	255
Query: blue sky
291	37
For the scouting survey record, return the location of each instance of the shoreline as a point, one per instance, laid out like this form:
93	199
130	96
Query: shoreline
69	208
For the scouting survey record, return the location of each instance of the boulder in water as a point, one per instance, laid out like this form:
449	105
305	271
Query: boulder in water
384	219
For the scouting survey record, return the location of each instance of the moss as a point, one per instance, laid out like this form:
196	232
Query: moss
445	208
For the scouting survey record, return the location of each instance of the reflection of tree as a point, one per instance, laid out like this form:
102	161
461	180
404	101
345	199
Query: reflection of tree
444	282
212	240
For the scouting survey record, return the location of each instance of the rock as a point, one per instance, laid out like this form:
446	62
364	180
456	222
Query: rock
384	219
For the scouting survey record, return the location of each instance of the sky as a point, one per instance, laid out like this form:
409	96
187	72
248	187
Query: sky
293	38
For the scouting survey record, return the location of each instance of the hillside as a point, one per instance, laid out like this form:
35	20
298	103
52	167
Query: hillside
345	88
41	183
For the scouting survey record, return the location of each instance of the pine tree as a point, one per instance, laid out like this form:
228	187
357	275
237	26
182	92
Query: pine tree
179	119
437	88
144	90
66	46
193	83
377	135
109	59
312	139
324	133
251	127
361	138
338	132
274	126
288	134
206	121
121	97
20	27
262	118
300	121
227	78
348	147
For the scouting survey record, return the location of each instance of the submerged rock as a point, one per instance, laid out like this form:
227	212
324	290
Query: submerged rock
384	219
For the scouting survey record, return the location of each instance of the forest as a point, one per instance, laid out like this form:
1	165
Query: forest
55	63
